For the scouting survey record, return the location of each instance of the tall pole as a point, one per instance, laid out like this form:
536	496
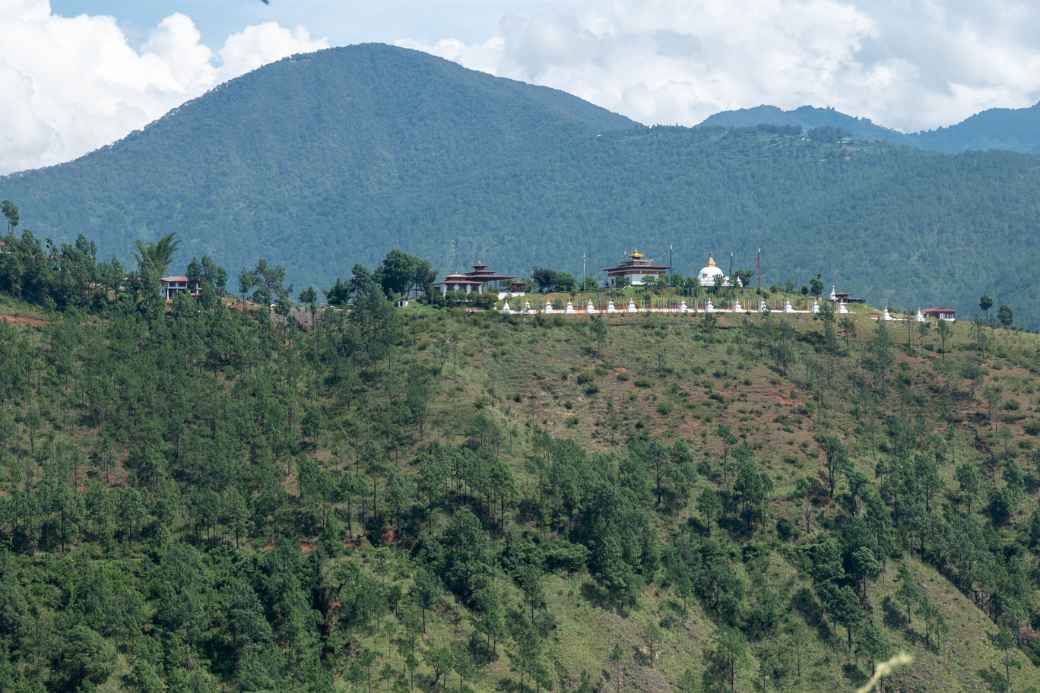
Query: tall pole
584	256
758	268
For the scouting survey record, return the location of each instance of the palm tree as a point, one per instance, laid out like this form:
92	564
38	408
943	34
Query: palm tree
154	258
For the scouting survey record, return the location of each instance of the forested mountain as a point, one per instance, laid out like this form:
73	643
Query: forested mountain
324	160
1009	129
805	118
199	498
1013	129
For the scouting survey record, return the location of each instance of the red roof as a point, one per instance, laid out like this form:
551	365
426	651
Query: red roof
483	274
928	311
174	280
460	279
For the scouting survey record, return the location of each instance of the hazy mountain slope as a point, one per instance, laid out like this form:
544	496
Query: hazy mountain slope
1008	129
322	161
806	118
1013	129
304	147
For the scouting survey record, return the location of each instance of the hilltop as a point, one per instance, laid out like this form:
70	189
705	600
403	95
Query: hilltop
1008	129
321	161
425	499
806	118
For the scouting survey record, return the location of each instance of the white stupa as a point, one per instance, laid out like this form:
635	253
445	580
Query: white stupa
763	307
683	308
815	307
737	308
843	309
569	310
709	307
527	308
506	309
834	293
711	273
632	307
920	316
591	309
788	308
611	308
548	308
886	316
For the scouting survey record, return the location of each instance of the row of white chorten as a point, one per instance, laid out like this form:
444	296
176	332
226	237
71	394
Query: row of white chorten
611	309
708	307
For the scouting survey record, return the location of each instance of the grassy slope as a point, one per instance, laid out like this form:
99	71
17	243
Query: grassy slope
528	377
656	375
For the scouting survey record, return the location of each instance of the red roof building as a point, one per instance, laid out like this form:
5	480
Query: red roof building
948	314
636	270
170	287
475	280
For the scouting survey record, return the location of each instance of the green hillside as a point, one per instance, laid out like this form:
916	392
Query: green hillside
324	160
1008	129
193	497
806	118
1013	129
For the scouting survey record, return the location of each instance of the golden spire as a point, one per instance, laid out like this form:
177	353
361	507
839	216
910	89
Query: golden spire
711	261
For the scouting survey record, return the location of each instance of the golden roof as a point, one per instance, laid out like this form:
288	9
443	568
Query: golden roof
711	261
636	255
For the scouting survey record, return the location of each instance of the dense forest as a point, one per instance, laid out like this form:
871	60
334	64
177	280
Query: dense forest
1008	129
200	496
325	160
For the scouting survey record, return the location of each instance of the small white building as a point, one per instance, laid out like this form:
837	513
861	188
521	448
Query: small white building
711	276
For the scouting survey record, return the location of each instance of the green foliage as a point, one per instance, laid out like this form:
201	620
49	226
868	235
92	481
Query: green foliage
997	128
198	498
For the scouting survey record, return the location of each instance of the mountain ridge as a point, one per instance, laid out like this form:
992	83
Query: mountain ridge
327	159
1007	129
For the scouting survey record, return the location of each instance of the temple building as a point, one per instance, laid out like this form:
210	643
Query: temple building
947	314
475	281
843	297
711	276
637	270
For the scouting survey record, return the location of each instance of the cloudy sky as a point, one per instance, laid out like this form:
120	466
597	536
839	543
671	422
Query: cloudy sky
79	74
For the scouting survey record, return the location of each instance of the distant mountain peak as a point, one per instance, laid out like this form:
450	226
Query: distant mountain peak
804	117
1010	129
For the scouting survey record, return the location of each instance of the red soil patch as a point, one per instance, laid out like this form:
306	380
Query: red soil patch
22	320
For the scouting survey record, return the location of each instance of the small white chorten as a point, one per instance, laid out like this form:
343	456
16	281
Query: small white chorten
569	310
886	316
611	308
548	309
843	308
683	308
632	307
737	308
506	309
920	316
763	307
709	307
591	309
788	308
815	307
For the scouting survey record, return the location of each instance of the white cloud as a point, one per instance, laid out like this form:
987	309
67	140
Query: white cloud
72	84
909	64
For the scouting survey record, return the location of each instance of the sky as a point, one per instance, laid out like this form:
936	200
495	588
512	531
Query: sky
79	74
